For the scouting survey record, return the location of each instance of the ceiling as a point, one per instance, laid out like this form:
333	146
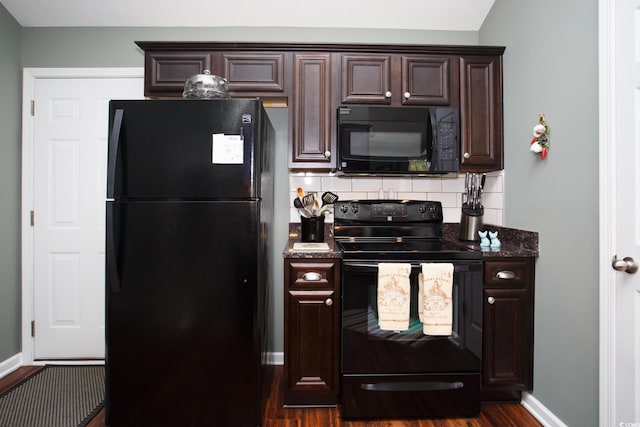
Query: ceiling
454	15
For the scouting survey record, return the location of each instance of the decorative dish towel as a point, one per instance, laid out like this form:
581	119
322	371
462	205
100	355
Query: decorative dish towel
436	299
394	296
421	297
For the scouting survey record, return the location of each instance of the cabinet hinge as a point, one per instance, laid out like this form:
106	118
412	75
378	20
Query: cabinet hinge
33	107
33	328
32	218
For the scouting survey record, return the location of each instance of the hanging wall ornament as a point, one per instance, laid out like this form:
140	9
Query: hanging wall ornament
540	142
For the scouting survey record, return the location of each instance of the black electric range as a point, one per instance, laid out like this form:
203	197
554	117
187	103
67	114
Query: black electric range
405	373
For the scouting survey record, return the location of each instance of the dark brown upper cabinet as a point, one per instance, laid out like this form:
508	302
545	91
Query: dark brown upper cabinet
248	73
389	79
481	113
314	79
311	122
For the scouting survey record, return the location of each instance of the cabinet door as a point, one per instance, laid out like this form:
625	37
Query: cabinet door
166	72
311	119
507	344
366	79
425	80
506	341
312	313
481	113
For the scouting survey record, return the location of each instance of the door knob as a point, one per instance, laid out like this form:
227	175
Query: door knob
491	300
626	264
329	302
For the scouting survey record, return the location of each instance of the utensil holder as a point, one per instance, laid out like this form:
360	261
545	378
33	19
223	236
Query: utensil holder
312	229
470	223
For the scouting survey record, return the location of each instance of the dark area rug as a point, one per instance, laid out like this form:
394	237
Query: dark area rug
57	396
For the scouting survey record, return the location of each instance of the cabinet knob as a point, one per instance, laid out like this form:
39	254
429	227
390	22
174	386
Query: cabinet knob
387	94
491	300
505	274
311	276
407	95
327	154
467	155
329	302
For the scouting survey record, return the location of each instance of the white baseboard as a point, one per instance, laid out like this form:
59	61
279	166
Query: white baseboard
10	365
276	358
541	412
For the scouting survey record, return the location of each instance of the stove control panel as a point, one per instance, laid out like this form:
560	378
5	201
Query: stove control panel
388	211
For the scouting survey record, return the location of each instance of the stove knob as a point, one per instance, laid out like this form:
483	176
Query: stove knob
422	209
344	209
355	208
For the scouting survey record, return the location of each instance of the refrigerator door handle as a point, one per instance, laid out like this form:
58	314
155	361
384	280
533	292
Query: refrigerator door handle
112	263
114	142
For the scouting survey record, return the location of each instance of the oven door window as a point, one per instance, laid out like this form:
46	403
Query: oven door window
368	348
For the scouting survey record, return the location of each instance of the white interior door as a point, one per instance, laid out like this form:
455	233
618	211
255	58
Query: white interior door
620	212
70	130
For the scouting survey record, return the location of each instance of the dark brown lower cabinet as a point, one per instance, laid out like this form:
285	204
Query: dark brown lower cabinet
507	329
312	331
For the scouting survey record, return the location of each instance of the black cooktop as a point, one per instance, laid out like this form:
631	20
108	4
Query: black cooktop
394	230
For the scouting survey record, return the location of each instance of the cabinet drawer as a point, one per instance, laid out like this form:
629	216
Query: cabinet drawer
312	275
512	273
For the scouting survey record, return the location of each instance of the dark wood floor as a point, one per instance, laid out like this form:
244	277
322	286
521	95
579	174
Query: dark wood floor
492	415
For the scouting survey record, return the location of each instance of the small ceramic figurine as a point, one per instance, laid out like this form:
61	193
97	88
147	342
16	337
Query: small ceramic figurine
484	241
495	243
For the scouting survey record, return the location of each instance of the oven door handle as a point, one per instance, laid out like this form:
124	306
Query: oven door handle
458	266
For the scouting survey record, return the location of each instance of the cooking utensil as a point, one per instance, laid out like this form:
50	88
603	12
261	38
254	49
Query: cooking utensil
297	203
205	86
308	201
328	198
316	207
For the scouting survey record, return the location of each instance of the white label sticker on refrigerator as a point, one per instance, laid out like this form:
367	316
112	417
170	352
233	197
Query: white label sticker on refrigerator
227	149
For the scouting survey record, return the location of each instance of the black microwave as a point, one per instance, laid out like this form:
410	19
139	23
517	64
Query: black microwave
398	140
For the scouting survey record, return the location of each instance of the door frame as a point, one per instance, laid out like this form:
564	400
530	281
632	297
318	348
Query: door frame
29	77
607	211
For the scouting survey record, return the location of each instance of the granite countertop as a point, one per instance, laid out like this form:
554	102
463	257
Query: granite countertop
514	242
294	236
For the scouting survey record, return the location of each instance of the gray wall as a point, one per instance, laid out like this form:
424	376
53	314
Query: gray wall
551	67
10	102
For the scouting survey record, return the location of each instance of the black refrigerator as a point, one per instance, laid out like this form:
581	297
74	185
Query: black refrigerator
188	262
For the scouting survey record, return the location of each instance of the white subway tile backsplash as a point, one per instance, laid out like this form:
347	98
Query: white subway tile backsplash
334	183
447	189
427	185
307	182
448	200
492	200
396	184
492	216
453	184
451	214
370	184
